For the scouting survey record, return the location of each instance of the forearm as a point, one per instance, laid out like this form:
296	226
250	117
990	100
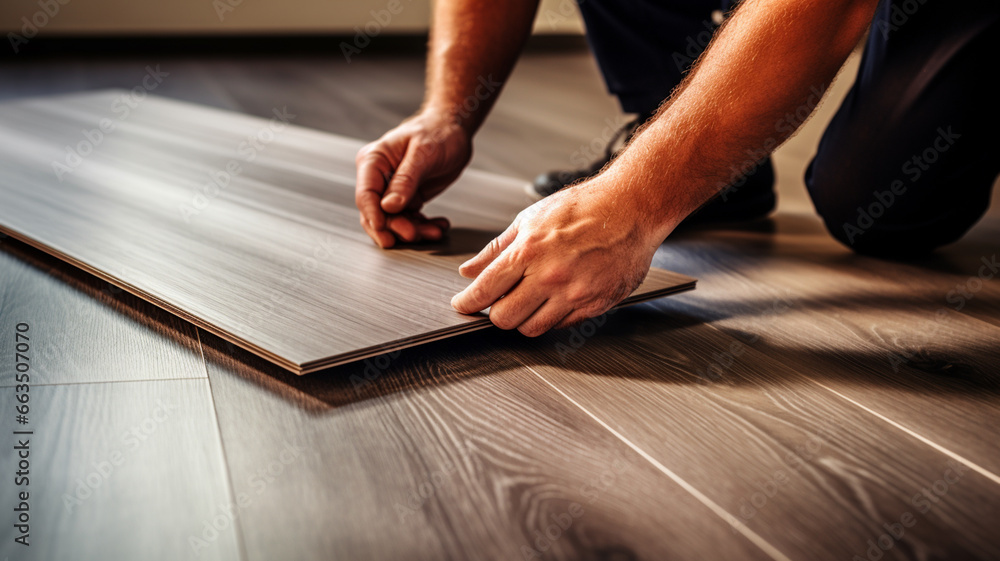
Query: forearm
770	59
474	45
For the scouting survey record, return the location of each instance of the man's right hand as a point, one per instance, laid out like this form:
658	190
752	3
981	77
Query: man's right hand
400	172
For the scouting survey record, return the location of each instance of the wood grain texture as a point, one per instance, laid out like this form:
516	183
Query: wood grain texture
243	226
119	471
371	443
450	450
811	473
86	330
883	334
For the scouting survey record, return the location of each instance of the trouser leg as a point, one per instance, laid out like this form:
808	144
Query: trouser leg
643	47
908	161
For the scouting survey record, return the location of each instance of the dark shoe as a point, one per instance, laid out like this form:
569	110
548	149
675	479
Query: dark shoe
548	183
750	198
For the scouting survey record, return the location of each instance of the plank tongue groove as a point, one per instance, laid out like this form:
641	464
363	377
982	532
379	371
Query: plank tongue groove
241	225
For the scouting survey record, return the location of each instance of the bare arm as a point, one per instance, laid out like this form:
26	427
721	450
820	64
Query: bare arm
473	47
579	252
764	65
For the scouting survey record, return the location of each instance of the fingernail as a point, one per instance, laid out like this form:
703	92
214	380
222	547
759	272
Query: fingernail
392	199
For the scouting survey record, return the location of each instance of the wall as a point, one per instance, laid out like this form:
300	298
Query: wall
55	17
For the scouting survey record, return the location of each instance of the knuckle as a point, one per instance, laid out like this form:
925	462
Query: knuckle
531	330
479	298
403	181
424	149
557	275
573	320
592	310
535	236
580	295
362	153
524	250
369	153
361	196
501	319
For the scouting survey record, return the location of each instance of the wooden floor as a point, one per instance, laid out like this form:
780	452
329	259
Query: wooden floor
274	258
803	403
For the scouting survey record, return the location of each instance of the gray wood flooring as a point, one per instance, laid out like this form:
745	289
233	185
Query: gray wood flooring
243	226
804	403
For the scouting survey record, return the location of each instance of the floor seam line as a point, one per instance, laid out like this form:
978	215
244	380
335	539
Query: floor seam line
953	455
111	382
739	526
237	522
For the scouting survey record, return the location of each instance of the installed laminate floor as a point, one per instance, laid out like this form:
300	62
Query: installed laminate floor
803	403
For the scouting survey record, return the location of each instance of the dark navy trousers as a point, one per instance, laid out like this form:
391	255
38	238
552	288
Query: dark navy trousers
907	163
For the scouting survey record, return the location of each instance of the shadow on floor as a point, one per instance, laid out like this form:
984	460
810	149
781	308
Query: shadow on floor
656	342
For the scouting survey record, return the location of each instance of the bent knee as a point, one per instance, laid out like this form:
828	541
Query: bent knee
863	233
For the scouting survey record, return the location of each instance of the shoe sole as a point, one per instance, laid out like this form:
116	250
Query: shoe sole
529	189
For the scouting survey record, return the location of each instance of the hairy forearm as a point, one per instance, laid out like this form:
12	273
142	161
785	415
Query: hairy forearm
769	61
473	47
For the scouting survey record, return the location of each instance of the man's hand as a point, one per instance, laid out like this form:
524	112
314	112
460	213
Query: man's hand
564	259
408	166
471	41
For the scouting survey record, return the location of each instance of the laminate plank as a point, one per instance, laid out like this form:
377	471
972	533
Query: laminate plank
811	474
271	257
447	451
85	330
118	472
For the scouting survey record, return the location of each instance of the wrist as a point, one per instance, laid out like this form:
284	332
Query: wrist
453	113
650	199
440	127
